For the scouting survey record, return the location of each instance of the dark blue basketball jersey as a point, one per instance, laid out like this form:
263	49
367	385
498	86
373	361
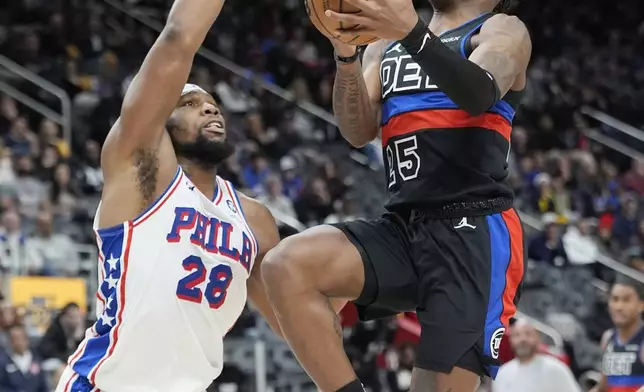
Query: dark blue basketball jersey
622	363
435	153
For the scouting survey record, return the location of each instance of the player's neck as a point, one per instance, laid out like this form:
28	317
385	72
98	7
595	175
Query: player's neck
202	177
458	16
625	334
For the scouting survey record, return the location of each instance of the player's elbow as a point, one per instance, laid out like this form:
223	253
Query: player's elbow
361	138
177	37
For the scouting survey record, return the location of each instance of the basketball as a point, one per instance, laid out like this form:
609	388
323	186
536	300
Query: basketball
315	9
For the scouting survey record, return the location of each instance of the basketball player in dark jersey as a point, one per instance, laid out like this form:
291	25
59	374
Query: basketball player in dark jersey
451	246
623	360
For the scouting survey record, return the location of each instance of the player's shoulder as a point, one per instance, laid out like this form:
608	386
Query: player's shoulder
261	221
505	22
374	51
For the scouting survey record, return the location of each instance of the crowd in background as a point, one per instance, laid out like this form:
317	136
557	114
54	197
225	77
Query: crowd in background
587	196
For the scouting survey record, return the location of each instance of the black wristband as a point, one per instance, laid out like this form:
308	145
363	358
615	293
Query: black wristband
417	37
350	59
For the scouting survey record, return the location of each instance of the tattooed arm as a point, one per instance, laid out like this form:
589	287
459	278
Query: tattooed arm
356	95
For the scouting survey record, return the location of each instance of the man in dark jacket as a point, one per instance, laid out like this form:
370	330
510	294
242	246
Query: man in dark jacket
20	369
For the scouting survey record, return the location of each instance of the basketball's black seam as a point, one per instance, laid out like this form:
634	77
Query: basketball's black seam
320	20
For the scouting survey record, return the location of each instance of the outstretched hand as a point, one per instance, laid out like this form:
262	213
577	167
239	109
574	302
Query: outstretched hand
387	19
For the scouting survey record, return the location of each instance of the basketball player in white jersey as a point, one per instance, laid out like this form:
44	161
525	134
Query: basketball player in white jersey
179	247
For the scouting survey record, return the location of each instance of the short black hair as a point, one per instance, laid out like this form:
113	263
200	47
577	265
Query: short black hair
630	282
505	6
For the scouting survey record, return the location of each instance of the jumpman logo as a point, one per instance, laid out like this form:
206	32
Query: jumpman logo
463	223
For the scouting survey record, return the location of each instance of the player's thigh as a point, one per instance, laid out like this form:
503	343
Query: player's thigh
390	284
470	276
320	258
346	260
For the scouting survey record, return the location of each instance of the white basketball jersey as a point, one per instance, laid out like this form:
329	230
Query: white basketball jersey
172	283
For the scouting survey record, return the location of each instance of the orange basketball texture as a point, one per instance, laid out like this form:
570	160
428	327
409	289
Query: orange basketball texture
316	8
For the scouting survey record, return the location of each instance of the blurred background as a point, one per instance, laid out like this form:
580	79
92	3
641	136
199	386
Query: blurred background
576	166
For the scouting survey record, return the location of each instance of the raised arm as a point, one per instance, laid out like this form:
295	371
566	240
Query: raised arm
155	90
498	63
356	94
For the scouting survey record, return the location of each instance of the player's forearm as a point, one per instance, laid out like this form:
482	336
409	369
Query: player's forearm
467	84
352	107
189	22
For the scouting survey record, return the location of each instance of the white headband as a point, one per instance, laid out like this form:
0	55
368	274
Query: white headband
192	88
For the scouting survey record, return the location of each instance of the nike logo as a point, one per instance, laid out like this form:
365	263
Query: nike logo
463	223
426	38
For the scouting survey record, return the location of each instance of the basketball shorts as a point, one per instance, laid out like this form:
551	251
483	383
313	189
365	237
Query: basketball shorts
461	276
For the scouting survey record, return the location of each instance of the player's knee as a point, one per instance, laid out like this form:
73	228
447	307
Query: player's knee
284	263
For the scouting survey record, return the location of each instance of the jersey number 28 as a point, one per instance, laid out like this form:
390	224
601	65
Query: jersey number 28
219	278
403	160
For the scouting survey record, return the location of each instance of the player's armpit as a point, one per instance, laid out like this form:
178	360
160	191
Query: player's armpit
155	90
503	48
265	230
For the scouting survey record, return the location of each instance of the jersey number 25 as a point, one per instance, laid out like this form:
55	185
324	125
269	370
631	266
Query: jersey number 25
403	160
219	278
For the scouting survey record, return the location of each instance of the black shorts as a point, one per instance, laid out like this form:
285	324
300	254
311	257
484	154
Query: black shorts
461	276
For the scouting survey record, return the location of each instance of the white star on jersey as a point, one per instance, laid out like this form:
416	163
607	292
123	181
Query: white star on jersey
112	261
111	281
105	319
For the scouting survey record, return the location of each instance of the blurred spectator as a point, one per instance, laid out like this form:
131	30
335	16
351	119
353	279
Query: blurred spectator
63	335
291	181
274	198
548	246
531	371
30	191
50	136
8	317
634	178
89	174
579	245
255	173
20	368
625	225
315	204
64	194
54	251
14	258
21	140
345	210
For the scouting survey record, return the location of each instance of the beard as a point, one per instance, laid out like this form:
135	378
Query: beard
442	5
203	152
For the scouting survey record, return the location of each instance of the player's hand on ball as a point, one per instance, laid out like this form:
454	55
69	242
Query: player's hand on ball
387	19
